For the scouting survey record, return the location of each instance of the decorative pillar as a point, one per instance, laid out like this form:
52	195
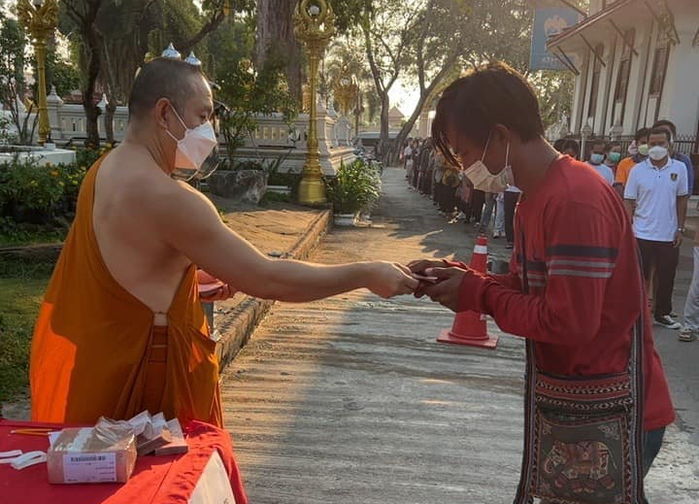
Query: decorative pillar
314	26
40	18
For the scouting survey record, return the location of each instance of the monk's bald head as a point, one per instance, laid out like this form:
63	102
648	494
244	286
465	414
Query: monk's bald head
175	80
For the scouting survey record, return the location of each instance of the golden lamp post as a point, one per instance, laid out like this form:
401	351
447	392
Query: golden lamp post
314	26
40	17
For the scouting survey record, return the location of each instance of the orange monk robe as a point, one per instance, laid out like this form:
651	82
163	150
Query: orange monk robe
95	350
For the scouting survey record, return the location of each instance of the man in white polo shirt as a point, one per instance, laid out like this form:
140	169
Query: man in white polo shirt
656	199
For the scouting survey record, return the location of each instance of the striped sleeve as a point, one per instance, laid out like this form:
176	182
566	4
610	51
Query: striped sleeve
578	260
568	285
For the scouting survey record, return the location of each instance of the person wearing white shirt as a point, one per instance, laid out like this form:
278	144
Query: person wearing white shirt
408	159
511	198
499	230
656	198
596	161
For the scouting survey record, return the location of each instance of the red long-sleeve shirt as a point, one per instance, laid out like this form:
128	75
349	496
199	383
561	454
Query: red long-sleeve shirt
585	287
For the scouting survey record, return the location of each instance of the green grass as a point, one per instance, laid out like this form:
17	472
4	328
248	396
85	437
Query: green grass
22	286
272	197
20	237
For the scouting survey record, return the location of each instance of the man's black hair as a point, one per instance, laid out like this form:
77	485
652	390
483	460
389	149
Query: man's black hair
643	132
611	145
661	130
489	95
668	123
598	141
162	78
573	145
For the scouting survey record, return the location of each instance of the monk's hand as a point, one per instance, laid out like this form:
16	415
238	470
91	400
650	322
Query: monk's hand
388	279
225	291
445	290
204	277
221	294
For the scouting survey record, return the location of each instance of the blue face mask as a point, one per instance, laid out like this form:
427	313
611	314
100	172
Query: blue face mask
596	158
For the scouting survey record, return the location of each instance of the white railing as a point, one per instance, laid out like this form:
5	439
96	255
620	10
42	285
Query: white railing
273	135
273	139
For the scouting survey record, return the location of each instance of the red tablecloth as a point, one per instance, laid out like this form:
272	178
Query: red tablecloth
155	480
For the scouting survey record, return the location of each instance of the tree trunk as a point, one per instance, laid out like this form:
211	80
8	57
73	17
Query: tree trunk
91	115
276	40
109	118
384	144
92	64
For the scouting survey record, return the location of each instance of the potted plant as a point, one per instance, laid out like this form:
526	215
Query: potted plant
355	188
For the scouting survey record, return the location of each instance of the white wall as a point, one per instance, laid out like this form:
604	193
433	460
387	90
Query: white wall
680	96
577	121
680	102
639	80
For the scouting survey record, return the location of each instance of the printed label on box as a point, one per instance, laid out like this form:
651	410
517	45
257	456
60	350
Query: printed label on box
89	467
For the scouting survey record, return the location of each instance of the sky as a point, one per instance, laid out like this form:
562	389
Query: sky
405	98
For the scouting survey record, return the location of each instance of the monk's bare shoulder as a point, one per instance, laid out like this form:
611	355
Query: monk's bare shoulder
141	183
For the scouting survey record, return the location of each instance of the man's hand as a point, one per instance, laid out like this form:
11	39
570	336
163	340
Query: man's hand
390	279
678	239
420	265
446	290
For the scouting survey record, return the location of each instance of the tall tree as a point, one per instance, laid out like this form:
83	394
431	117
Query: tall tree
13	86
445	37
79	23
125	29
441	33
112	38
388	33
276	40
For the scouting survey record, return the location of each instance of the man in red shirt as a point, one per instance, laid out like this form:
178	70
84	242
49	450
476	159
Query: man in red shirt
583	279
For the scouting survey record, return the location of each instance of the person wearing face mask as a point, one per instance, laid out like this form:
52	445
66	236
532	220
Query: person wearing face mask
612	155
572	270
597	157
656	199
638	151
121	328
567	146
679	156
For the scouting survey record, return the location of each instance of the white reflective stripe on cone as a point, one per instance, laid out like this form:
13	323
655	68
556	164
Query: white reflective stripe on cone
480	249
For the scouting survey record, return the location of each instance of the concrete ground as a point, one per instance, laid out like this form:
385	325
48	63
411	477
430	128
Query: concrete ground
351	400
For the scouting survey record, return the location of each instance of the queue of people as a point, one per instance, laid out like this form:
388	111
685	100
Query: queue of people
654	179
429	173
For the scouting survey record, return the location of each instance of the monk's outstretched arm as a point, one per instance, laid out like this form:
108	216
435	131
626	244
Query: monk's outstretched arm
190	223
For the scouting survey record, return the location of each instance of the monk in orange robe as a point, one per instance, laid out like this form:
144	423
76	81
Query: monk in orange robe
121	327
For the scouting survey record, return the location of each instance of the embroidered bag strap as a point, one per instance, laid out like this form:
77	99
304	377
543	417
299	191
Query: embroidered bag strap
524	489
635	366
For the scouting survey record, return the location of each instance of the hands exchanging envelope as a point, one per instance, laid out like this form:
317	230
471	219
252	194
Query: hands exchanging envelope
437	281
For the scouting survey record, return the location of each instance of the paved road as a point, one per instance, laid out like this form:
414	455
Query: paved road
350	399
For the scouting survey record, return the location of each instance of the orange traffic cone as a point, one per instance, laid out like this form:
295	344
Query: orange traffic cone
470	328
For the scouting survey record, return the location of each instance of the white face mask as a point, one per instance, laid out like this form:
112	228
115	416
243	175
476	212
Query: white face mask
657	152
483	180
193	149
